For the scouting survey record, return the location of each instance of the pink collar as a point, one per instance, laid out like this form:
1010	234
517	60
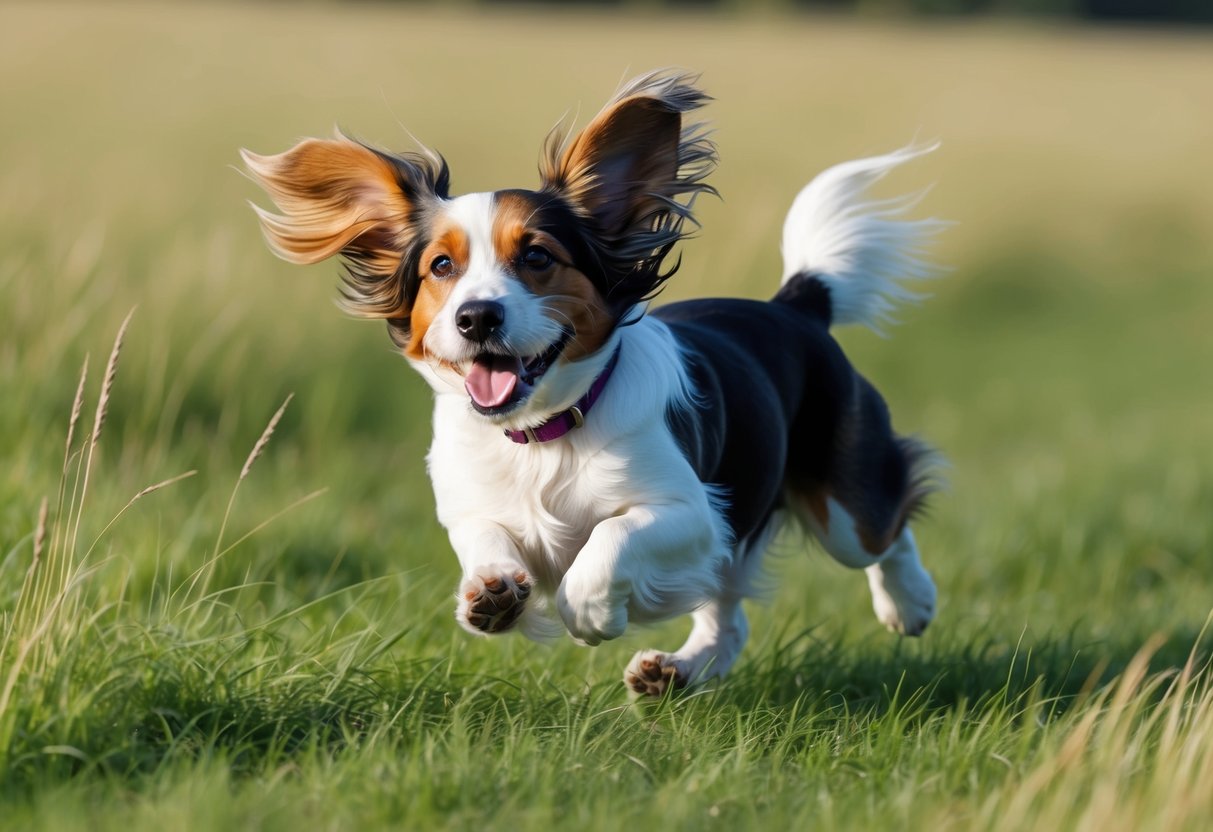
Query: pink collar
574	417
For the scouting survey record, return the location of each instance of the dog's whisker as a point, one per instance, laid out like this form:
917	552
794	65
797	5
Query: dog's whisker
551	310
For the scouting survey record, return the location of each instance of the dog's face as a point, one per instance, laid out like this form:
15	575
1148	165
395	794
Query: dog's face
507	297
500	296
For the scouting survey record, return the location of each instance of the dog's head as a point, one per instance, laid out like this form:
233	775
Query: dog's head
506	296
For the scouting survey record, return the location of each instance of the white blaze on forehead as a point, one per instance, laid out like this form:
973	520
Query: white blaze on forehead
483	277
527	330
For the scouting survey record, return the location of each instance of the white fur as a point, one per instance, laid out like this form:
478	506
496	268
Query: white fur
860	249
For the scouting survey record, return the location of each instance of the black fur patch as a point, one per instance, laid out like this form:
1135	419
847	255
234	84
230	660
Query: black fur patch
780	408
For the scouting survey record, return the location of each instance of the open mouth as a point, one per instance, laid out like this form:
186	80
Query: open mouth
498	383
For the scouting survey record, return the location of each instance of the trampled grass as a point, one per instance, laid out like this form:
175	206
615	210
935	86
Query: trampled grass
272	646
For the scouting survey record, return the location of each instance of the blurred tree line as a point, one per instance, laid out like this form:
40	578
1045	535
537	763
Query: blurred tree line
1173	11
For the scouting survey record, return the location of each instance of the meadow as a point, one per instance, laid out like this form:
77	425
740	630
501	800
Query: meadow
272	645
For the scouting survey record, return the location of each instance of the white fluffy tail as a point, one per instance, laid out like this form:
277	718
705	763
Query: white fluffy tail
860	249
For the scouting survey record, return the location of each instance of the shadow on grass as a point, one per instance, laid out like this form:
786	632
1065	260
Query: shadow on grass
944	675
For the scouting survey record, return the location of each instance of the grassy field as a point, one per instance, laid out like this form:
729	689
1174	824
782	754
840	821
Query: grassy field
278	650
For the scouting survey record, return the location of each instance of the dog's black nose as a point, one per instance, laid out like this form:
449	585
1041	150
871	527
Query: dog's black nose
477	320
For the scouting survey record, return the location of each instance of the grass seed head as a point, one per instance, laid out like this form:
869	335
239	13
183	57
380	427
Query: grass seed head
111	370
163	484
77	406
265	439
40	532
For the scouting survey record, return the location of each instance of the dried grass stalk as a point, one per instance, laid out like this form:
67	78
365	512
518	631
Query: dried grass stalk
40	532
264	440
107	384
111	370
131	502
203	573
77	406
162	484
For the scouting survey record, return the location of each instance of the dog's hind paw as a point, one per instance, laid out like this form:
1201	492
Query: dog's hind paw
903	596
491	601
651	674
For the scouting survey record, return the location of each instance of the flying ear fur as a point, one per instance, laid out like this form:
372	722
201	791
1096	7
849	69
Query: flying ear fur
342	197
633	172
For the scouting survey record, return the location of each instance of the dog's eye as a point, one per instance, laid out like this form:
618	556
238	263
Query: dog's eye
441	266
536	258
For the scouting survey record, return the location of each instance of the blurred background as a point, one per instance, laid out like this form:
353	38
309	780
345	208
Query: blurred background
1169	11
1064	364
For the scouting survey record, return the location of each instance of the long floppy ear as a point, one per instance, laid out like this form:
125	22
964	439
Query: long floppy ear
634	172
342	197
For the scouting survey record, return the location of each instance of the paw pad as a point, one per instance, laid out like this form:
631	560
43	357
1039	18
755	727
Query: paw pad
652	674
493	603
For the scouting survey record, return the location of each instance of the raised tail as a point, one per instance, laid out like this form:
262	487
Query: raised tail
860	250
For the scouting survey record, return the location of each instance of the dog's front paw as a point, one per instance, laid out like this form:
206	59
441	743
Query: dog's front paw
903	596
591	614
491	600
651	674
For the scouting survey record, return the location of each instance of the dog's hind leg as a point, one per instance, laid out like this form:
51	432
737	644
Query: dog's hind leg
859	508
720	629
903	594
716	640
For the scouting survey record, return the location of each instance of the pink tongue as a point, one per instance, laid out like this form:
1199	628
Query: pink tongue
492	378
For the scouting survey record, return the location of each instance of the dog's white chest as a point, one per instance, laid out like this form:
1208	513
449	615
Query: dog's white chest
548	499
552	511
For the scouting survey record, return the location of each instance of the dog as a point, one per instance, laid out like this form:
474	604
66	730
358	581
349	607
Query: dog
598	463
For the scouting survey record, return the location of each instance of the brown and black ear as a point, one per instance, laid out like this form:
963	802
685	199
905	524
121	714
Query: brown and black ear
341	197
634	172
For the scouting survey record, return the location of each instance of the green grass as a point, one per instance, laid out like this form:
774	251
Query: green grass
313	676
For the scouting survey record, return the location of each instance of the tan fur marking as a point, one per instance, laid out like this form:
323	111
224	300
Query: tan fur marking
433	292
877	544
510	228
331	194
451	240
341	197
877	541
569	297
635	168
815	503
912	502
874	541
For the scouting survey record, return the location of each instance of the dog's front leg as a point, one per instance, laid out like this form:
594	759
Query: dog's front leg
495	586
651	562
